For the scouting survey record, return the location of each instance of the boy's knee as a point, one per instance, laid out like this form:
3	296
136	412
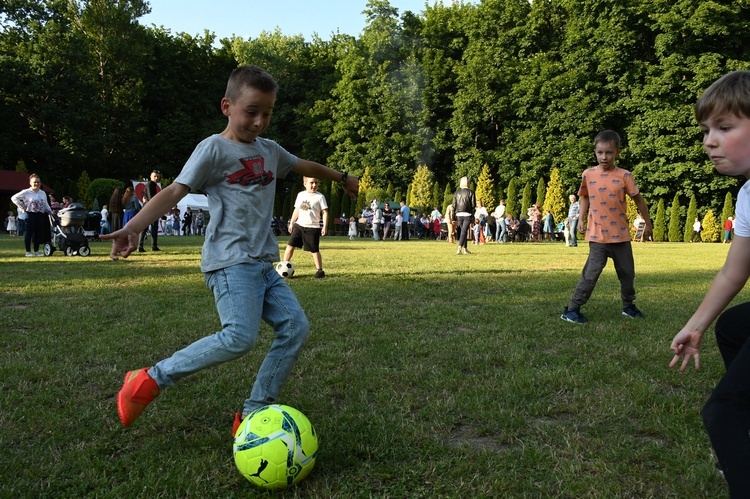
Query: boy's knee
237	341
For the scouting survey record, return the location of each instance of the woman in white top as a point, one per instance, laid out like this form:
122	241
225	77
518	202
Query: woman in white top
34	202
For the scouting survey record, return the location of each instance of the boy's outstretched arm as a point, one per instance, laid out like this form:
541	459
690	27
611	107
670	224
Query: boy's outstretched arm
725	286
125	240
316	170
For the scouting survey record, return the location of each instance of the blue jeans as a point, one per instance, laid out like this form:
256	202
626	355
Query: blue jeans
573	227
501	230
245	294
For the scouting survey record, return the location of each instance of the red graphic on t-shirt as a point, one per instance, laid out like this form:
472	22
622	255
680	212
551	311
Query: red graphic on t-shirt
253	172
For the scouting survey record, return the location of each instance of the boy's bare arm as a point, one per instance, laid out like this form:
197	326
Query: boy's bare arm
725	286
316	170
125	240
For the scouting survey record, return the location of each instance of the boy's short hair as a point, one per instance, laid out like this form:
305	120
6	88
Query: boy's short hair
729	94
608	136
250	77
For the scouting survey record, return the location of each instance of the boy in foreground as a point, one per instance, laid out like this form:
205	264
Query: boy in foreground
238	170
602	197
723	112
310	208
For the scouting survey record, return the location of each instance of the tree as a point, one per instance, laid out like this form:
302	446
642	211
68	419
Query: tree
692	214
675	222
728	209
83	194
101	189
485	190
659	222
421	188
447	196
511	199
526	199
711	228
554	199
541	192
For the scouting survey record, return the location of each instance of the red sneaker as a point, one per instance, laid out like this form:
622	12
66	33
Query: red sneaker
137	391
236	424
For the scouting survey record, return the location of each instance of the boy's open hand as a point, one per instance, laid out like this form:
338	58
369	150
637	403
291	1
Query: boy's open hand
124	242
686	344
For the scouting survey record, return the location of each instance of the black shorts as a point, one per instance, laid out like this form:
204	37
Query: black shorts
307	238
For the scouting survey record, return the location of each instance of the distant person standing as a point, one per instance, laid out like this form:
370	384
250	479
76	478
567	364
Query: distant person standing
573	214
33	202
310	209
464	204
696	231
152	188
603	190
501	230
405	218
728	226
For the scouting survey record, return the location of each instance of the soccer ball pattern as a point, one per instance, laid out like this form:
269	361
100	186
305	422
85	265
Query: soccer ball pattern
275	447
285	269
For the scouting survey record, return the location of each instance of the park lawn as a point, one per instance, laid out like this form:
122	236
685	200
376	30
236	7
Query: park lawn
426	374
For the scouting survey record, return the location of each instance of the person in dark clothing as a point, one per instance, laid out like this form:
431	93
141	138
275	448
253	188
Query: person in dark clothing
464	204
149	192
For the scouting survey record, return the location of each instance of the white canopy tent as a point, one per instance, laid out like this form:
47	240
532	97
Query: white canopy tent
193	201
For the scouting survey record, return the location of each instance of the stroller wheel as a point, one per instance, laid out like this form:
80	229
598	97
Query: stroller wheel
84	251
48	249
69	251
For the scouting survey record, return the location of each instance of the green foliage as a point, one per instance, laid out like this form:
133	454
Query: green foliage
555	200
511	199
525	200
675	221
692	214
100	189
541	192
728	208
83	194
485	191
660	222
421	189
631	210
447	197
334	202
519	86
711	230
437	196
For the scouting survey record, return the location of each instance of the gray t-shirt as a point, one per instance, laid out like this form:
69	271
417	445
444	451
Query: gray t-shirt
240	182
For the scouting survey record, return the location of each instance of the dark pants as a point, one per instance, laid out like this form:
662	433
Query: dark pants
463	227
154	235
726	414
622	256
37	228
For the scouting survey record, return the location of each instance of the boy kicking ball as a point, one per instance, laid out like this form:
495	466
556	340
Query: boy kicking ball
723	112
309	209
238	171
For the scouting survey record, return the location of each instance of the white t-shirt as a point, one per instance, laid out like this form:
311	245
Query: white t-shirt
310	206
742	212
240	182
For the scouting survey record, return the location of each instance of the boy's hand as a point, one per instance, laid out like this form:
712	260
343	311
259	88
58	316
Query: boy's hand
124	242
686	344
351	186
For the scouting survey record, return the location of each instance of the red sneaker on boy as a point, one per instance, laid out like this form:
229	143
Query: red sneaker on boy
137	391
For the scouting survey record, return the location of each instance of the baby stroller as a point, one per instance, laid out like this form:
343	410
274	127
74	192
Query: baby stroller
92	225
74	242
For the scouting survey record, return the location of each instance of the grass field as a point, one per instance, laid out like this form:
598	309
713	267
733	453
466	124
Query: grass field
426	374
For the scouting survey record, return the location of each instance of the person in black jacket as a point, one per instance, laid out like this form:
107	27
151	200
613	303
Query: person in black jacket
464	204
150	191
